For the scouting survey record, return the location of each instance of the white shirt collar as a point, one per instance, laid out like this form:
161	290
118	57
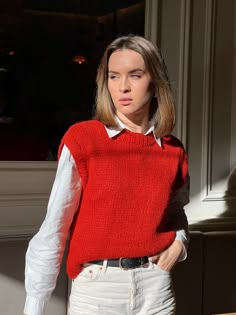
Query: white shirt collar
112	132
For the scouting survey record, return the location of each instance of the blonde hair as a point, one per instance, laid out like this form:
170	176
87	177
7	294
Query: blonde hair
162	107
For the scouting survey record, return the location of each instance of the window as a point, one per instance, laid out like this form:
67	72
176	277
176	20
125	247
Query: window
48	62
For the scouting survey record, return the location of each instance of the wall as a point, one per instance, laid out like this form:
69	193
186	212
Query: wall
24	191
198	42
12	293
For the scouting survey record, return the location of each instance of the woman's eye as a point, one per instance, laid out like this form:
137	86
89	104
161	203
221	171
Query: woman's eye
112	77
136	76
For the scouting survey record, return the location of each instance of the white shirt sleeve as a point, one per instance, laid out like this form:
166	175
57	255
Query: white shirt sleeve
46	248
177	218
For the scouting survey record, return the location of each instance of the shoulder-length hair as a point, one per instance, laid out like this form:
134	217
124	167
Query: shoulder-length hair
162	110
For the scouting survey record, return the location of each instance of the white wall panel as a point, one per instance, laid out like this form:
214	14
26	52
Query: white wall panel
210	206
24	192
197	39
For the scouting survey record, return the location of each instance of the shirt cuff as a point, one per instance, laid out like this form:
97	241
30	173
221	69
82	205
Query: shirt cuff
183	237
183	254
35	306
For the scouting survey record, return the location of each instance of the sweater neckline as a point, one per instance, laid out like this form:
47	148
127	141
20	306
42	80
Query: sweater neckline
136	138
128	136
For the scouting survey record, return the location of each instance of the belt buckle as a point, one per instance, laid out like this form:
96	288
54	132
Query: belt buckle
129	268
120	264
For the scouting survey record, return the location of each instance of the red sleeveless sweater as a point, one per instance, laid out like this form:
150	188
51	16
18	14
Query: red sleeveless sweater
127	183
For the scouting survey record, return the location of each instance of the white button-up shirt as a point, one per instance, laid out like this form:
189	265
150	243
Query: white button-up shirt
46	248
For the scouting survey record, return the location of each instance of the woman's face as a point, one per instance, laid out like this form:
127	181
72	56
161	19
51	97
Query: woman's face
129	84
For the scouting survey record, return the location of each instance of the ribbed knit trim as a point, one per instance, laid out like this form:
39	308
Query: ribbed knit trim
129	137
138	139
126	136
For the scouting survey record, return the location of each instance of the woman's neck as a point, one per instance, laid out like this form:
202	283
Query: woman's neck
139	125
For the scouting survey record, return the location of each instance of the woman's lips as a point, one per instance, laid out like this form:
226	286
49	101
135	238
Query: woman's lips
125	100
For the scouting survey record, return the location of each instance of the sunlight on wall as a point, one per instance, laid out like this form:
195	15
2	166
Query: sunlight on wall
12	289
199	211
214	201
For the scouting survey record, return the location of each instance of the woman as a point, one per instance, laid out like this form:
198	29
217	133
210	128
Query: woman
120	189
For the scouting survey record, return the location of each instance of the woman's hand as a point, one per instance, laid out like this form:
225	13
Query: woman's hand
169	257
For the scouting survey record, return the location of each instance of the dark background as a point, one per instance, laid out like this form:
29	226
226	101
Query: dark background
48	89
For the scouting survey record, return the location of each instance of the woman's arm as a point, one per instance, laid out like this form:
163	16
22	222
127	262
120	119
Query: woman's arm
46	248
176	220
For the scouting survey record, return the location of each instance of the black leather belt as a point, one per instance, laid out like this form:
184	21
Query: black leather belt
124	263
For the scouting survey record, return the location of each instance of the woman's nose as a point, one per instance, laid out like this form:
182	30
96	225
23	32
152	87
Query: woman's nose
124	86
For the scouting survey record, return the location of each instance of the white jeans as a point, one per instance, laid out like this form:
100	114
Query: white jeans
101	290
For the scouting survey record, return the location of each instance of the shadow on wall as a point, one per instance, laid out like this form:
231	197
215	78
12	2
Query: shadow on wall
230	195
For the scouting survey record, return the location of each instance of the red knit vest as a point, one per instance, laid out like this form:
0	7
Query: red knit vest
127	183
